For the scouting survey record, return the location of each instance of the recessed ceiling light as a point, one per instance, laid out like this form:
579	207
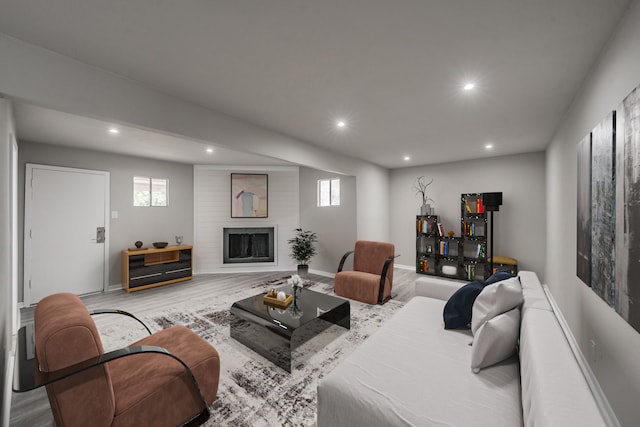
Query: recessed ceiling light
341	124
209	150
114	131
469	86
407	158
488	146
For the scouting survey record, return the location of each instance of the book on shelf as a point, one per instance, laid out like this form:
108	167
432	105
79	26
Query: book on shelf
444	248
467	205
469	228
471	272
423	265
440	229
480	251
424	226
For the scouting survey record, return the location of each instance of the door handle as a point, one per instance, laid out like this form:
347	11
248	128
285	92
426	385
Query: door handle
100	235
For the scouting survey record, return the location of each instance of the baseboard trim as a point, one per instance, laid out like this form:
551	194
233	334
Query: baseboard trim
266	270
598	395
323	273
238	268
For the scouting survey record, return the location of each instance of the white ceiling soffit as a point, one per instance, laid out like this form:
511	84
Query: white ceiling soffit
37	124
393	70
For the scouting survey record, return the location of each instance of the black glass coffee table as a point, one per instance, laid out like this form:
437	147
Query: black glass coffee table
274	332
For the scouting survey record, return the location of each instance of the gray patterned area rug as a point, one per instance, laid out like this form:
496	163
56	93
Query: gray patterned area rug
253	391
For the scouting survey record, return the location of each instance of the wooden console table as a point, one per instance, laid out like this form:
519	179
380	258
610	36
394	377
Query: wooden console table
147	268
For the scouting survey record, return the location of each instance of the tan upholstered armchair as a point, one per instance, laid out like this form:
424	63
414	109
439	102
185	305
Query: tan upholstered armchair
372	277
166	379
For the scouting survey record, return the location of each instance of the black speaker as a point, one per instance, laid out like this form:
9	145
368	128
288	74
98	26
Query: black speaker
492	201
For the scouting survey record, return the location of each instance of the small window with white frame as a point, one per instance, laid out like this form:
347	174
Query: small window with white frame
329	192
150	191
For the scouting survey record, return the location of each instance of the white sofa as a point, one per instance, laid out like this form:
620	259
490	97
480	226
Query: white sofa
413	372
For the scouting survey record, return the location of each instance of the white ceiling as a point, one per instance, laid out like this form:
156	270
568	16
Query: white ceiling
38	124
393	69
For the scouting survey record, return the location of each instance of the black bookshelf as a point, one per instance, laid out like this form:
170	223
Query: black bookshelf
473	231
435	252
458	257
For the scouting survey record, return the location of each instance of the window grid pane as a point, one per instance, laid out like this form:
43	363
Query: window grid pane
335	192
324	198
158	192
141	191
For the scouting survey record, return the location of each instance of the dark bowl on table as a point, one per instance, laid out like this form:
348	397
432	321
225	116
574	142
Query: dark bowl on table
160	244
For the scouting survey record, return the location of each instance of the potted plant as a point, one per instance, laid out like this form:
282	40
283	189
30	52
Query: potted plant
303	248
421	189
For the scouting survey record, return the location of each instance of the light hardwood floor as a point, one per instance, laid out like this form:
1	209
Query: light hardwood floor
32	408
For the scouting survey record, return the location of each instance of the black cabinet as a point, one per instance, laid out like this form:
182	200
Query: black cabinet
146	268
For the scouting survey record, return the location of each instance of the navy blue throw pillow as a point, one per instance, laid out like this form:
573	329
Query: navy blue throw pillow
457	311
497	277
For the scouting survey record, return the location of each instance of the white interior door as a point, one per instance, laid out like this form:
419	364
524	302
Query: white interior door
64	211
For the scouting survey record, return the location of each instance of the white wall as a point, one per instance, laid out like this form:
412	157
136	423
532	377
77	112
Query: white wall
212	212
519	224
617	346
373	202
148	224
8	297
336	226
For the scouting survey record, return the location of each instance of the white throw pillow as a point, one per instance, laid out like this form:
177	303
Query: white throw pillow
495	299
495	340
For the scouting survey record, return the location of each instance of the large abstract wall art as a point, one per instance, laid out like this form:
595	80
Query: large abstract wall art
584	210
608	209
603	203
627	300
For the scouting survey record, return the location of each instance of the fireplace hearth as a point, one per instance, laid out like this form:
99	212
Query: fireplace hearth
248	245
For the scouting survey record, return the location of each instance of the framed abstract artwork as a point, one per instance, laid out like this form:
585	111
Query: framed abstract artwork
627	277
249	195
596	203
583	256
603	207
608	209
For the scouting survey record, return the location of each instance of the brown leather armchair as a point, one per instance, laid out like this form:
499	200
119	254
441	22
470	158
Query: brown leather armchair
372	277
166	379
